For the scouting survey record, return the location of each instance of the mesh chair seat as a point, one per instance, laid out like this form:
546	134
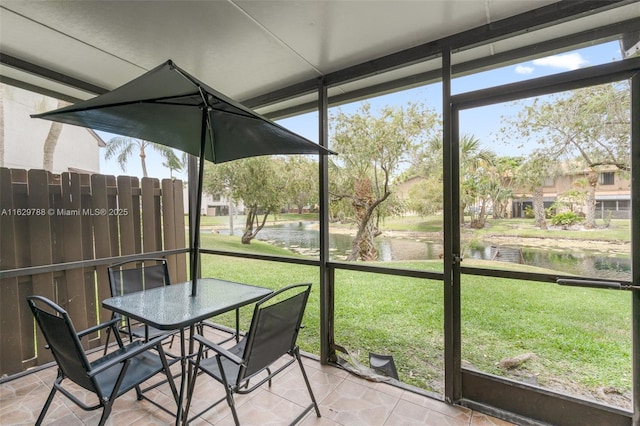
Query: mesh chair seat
231	369
145	365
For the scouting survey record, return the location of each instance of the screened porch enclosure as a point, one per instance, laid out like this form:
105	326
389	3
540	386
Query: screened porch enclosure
493	338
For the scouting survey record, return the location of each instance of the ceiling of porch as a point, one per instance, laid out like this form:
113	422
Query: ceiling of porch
270	54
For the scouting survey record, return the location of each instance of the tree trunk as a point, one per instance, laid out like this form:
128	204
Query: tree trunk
143	156
250	232
538	208
230	216
462	206
364	204
50	142
481	220
590	221
247	235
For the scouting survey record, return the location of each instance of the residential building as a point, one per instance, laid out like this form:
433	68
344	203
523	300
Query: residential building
77	150
613	193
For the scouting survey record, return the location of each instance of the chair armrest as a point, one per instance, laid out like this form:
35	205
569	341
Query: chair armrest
98	327
126	352
219	350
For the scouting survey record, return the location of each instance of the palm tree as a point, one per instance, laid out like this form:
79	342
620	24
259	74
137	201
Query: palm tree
474	163
123	147
531	176
175	163
51	141
473	158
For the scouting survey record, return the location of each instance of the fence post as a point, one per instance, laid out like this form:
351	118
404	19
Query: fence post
10	336
40	242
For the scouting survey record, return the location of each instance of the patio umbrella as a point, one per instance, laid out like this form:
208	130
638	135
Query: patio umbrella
169	106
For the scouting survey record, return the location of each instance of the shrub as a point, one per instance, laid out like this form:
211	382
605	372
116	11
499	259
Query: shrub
566	219
529	213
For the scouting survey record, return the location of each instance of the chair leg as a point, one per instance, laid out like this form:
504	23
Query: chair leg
191	385
105	412
306	381
167	372
46	406
232	405
139	395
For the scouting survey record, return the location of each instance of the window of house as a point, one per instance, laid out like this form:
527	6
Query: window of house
606	178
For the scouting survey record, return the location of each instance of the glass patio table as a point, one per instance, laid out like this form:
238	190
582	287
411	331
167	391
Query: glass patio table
173	307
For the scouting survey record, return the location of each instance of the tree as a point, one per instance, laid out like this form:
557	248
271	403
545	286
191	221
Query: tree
122	147
531	176
371	149
474	161
591	125
301	186
51	141
501	182
425	197
258	182
175	163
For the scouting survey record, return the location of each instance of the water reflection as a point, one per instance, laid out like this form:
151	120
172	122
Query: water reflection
303	237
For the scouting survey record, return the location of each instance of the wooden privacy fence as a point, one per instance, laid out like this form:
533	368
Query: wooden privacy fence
58	234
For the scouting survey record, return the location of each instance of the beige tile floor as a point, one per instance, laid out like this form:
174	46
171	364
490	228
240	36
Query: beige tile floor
344	399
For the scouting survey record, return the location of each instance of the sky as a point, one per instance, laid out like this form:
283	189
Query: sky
483	123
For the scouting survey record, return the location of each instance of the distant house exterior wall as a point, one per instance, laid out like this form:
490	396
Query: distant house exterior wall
403	188
78	148
217	205
613	193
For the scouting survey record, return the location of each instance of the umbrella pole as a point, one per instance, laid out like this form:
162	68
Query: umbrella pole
195	260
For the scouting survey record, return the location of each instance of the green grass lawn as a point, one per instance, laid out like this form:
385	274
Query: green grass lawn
581	338
618	230
223	221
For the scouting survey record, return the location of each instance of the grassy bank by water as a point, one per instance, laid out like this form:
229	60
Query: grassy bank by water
618	230
577	340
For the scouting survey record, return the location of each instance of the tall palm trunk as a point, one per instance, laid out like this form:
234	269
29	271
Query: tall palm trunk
590	220
51	141
538	208
143	157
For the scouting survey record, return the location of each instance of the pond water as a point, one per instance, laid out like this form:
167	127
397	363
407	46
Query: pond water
303	237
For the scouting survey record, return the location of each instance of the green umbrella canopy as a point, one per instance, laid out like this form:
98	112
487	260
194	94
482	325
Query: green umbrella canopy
168	106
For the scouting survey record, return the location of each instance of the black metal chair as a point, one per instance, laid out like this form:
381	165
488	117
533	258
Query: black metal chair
108	377
273	333
132	276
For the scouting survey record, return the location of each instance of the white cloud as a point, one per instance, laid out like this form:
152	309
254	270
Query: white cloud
570	61
521	69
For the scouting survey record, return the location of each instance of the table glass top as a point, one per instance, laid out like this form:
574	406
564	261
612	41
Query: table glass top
173	307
